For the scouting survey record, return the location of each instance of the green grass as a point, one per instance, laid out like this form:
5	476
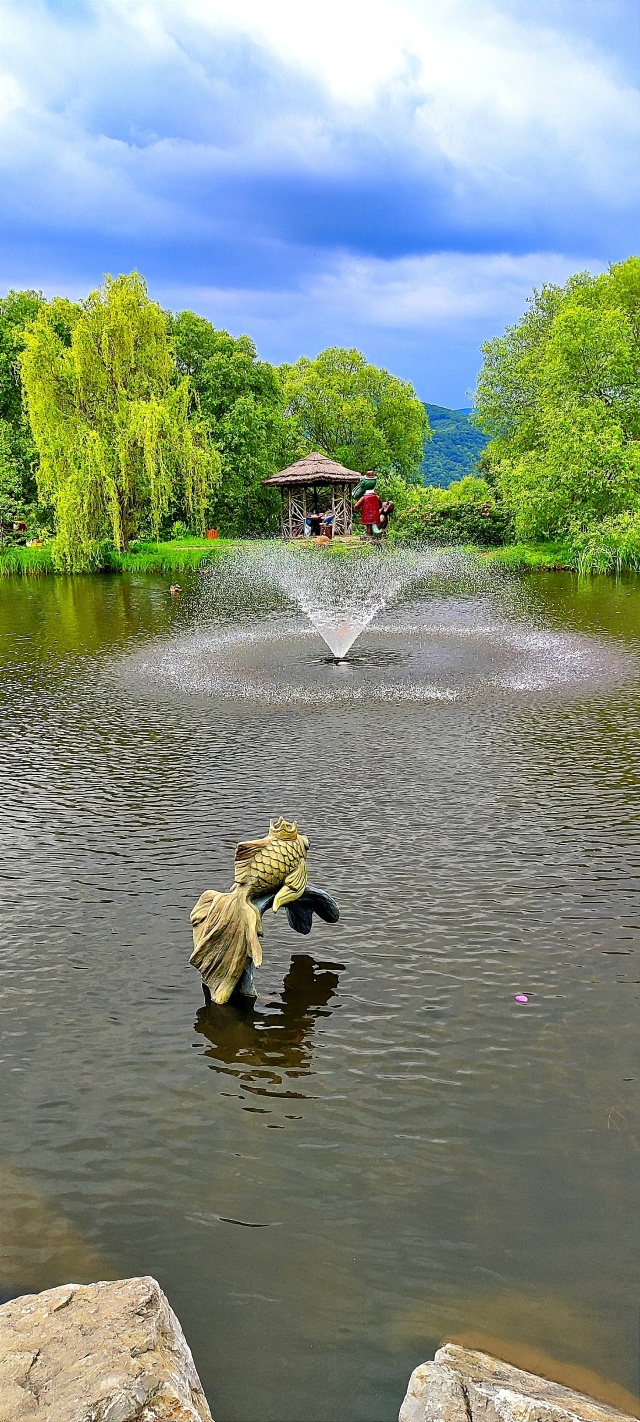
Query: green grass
552	557
31	562
175	557
181	555
611	546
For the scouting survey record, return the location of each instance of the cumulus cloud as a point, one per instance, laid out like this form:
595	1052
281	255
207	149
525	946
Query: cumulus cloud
416	315
393	162
441	290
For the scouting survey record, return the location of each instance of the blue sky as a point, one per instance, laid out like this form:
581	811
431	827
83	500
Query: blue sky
393	175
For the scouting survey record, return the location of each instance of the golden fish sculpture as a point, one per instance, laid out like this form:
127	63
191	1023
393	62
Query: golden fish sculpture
227	927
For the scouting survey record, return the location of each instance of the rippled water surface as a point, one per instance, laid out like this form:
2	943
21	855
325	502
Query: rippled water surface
386	1150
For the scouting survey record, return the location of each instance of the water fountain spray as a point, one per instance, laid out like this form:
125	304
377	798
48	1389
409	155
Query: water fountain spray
339	592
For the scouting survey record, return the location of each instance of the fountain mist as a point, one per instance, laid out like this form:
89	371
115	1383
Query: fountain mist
342	592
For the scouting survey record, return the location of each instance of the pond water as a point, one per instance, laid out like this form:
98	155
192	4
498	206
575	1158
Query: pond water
388	1149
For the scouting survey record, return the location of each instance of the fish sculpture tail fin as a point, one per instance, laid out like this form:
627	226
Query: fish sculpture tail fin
225	935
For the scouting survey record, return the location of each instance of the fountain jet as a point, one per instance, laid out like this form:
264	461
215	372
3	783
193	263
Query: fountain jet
341	592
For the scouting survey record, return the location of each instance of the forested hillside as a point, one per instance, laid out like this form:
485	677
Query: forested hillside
454	449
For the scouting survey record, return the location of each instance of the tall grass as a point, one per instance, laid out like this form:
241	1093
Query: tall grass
176	557
552	556
612	546
30	562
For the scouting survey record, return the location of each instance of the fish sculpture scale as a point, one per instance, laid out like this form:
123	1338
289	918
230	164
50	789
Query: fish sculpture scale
227	927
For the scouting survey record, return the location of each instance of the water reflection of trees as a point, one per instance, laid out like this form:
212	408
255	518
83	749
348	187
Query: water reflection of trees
265	1045
54	618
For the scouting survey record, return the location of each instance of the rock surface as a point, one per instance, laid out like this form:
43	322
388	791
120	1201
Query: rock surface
108	1352
461	1385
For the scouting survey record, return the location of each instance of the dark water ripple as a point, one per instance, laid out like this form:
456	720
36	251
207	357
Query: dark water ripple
426	1158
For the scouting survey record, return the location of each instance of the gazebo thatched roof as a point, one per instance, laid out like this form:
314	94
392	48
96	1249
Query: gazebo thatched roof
314	469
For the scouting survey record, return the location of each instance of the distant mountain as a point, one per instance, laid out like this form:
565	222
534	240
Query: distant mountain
455	446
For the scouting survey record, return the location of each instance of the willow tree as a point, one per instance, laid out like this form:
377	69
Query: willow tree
115	442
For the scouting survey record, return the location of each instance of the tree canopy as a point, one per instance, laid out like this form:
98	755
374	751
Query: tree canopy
559	395
240	402
18	453
110	421
357	413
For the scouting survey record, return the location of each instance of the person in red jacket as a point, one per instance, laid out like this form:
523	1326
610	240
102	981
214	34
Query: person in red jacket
369	504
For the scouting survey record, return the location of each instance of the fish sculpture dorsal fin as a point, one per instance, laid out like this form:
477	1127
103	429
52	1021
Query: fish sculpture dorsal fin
245	852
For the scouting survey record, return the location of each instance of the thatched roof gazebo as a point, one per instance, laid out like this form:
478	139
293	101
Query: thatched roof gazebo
314	485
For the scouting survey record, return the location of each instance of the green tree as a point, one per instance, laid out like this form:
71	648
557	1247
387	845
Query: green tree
12	502
111	425
356	413
559	394
241	403
18	453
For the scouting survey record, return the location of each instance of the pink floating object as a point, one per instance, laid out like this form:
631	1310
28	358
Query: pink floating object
521	997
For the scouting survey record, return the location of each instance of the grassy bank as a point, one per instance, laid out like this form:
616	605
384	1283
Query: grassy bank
181	555
546	557
32	562
175	557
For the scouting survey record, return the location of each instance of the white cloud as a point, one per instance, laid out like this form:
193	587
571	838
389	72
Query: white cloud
481	84
11	96
366	171
471	77
443	290
473	49
444	295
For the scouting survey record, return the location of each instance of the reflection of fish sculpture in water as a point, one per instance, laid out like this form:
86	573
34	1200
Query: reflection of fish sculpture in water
227	927
270	1049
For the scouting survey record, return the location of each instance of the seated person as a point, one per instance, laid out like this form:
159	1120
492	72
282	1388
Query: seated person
319	524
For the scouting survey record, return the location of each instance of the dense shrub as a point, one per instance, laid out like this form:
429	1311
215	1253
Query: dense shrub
467	512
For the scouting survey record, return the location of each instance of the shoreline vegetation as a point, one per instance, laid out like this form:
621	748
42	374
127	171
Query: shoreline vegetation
125	430
184	555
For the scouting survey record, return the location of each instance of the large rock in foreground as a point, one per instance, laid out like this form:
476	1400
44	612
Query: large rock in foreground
463	1386
109	1352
